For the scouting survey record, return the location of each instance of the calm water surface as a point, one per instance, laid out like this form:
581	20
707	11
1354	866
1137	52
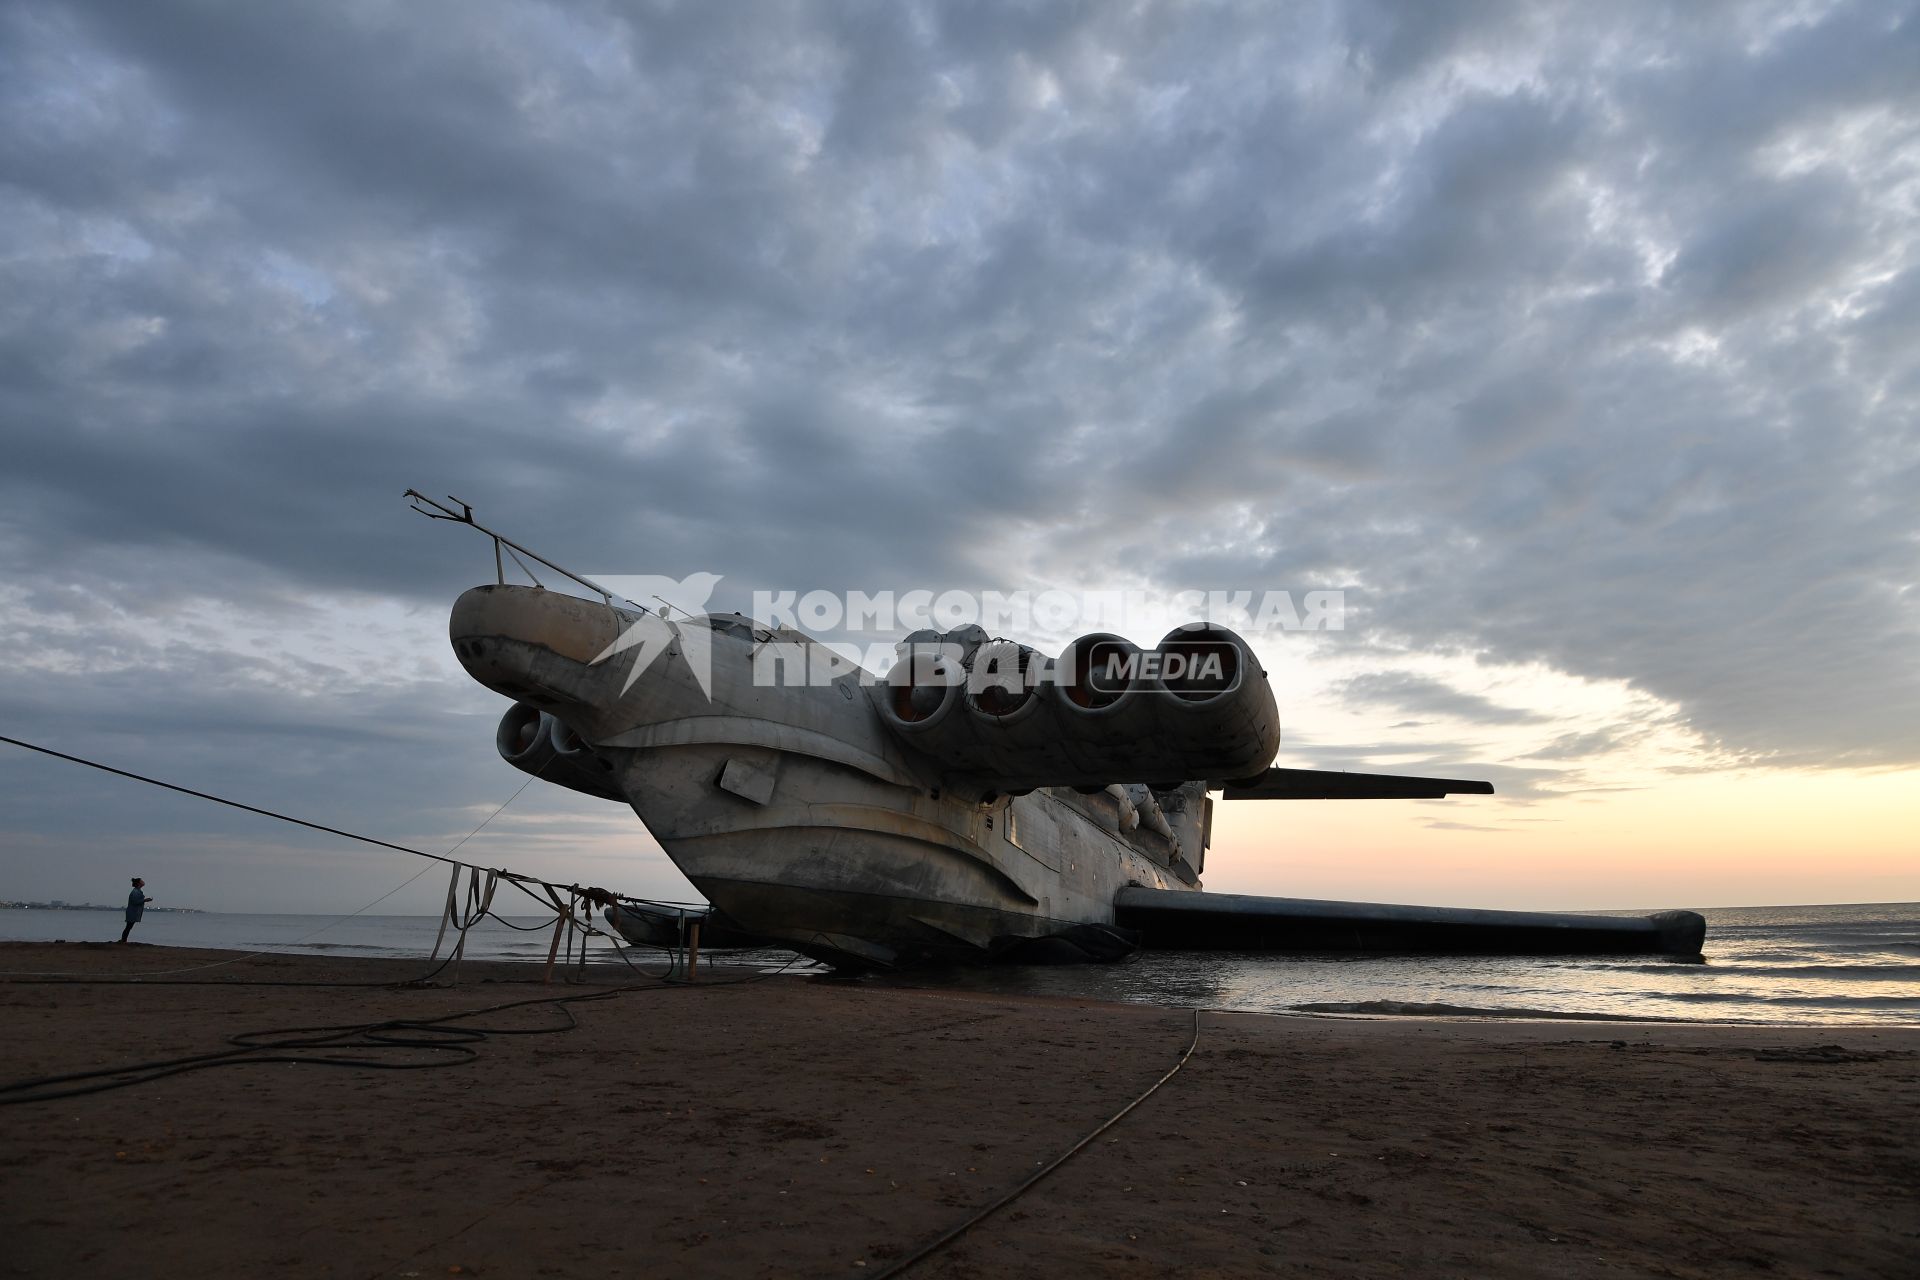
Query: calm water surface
1835	964
1827	964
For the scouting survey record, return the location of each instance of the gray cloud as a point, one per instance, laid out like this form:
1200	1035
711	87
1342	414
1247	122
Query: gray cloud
1593	742
1565	335
1407	692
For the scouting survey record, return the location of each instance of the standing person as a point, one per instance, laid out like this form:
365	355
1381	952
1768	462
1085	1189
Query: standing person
136	906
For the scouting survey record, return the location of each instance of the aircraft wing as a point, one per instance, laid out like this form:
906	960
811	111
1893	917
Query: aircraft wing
1183	920
1323	784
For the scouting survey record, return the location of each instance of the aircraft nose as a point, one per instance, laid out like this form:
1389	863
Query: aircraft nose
524	641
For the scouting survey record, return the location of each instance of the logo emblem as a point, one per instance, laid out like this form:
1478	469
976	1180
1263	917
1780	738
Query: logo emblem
656	633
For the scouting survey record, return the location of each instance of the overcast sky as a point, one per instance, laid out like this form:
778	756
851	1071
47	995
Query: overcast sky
1575	343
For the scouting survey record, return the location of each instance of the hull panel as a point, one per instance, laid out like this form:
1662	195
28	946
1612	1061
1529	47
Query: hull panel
835	859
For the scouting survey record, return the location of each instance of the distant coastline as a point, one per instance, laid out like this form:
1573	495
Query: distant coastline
58	905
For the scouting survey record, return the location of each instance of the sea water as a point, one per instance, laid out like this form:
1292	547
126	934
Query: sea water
1824	964
514	938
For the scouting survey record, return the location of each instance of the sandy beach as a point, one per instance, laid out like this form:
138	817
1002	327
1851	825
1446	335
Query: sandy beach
802	1128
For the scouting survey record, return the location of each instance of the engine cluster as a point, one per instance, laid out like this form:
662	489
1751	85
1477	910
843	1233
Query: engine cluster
1105	711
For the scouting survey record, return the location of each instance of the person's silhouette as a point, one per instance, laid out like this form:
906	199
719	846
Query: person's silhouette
136	906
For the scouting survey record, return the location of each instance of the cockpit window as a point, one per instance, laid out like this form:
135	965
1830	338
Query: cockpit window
729	624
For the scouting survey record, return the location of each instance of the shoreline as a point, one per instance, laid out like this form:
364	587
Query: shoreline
401	969
724	963
753	1125
1784	966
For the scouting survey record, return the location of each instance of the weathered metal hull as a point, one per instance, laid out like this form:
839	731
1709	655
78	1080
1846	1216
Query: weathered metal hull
839	863
804	820
791	808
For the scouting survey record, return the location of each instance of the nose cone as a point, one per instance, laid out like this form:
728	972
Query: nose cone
533	644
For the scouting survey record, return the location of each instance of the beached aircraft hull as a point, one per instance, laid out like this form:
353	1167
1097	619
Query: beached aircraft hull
806	815
793	809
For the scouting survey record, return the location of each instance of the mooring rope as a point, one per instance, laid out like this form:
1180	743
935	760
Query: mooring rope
482	882
947	1237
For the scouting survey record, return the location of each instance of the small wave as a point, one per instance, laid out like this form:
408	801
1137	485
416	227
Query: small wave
1832	939
1865	954
1864	972
1902	946
1809	1002
1412	1009
1858	972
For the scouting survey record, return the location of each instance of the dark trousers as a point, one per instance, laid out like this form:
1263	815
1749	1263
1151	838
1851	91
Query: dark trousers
124	932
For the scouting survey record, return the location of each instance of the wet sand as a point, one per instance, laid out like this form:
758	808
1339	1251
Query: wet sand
800	1128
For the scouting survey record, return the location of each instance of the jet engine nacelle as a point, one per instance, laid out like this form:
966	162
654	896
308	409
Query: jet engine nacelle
1011	719
535	742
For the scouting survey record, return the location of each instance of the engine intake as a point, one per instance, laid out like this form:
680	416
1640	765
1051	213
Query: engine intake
535	742
1011	719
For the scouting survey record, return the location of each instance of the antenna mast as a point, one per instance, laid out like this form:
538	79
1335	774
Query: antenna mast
433	510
